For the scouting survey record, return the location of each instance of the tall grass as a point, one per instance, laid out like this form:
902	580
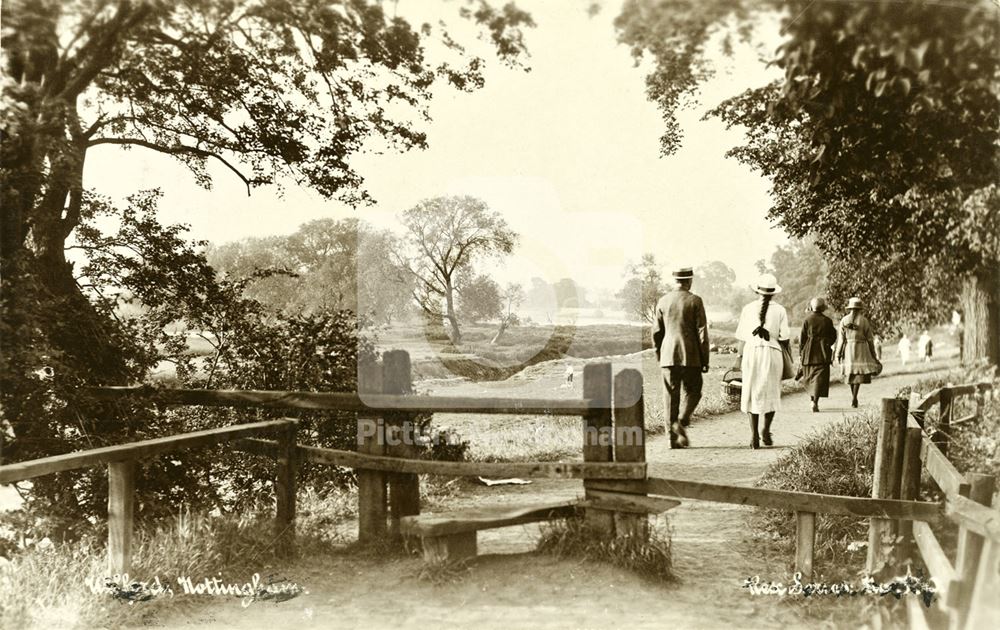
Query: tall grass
649	558
839	459
54	586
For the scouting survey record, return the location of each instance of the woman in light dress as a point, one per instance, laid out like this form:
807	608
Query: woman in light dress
856	349
763	323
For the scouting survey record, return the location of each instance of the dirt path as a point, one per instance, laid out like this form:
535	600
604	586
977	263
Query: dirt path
511	587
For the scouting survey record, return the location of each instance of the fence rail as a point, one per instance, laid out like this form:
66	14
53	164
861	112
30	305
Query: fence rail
350	402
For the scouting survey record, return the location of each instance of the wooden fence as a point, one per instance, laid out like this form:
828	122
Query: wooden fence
617	497
968	588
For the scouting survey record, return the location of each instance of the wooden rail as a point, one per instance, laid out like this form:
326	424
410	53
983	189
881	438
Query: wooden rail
352	402
786	499
361	461
121	462
20	471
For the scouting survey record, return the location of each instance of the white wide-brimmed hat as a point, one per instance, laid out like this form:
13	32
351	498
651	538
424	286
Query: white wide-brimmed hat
682	273
854	303
767	284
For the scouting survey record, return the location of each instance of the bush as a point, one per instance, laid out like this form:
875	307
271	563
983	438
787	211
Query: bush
840	460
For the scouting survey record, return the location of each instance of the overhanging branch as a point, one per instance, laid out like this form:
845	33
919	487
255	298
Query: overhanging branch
177	149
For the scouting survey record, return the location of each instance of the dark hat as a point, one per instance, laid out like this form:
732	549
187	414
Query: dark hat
683	273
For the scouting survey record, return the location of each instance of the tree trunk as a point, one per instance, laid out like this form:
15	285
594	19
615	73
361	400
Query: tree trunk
500	332
456	334
981	306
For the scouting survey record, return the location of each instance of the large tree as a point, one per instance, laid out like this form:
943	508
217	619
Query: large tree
881	139
447	236
270	91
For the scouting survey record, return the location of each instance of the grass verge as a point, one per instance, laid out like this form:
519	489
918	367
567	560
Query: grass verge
573	538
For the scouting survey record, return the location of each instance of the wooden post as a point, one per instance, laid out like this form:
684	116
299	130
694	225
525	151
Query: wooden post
805	541
947	410
630	444
909	489
285	486
121	510
404	488
371	483
970	549
597	434
886	482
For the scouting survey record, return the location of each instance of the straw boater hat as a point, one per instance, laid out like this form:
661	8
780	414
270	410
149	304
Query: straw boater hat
767	284
683	273
853	303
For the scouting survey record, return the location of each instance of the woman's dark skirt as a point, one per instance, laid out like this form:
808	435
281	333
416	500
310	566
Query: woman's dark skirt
816	379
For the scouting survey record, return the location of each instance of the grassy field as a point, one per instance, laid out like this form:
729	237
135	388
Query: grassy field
434	356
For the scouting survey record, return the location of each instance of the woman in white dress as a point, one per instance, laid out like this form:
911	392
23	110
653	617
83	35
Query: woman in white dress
763	323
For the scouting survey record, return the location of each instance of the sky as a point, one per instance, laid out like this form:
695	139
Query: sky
568	153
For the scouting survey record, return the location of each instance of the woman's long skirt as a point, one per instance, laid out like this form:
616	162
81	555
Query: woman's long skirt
761	391
816	379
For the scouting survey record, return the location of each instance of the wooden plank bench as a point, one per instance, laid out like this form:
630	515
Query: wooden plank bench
451	537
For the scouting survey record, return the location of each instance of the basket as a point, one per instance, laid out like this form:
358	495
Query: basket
732	386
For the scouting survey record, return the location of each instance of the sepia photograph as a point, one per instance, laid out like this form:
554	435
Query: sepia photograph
514	314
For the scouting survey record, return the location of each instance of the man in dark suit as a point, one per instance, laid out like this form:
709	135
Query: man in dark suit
681	341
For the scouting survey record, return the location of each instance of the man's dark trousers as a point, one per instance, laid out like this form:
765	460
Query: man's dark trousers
676	377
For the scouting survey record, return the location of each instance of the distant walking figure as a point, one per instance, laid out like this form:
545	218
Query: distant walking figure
681	342
816	344
763	323
856	349
569	376
904	349
926	347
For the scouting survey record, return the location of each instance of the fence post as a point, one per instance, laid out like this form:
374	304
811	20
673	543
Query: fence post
947	409
805	541
371	483
886	481
597	427
630	445
970	548
909	489
285	485
121	510
404	488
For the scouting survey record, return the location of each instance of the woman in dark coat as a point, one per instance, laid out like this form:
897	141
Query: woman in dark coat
816	343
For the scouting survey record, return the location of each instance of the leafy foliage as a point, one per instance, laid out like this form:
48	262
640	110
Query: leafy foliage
801	270
272	90
325	264
480	299
880	139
